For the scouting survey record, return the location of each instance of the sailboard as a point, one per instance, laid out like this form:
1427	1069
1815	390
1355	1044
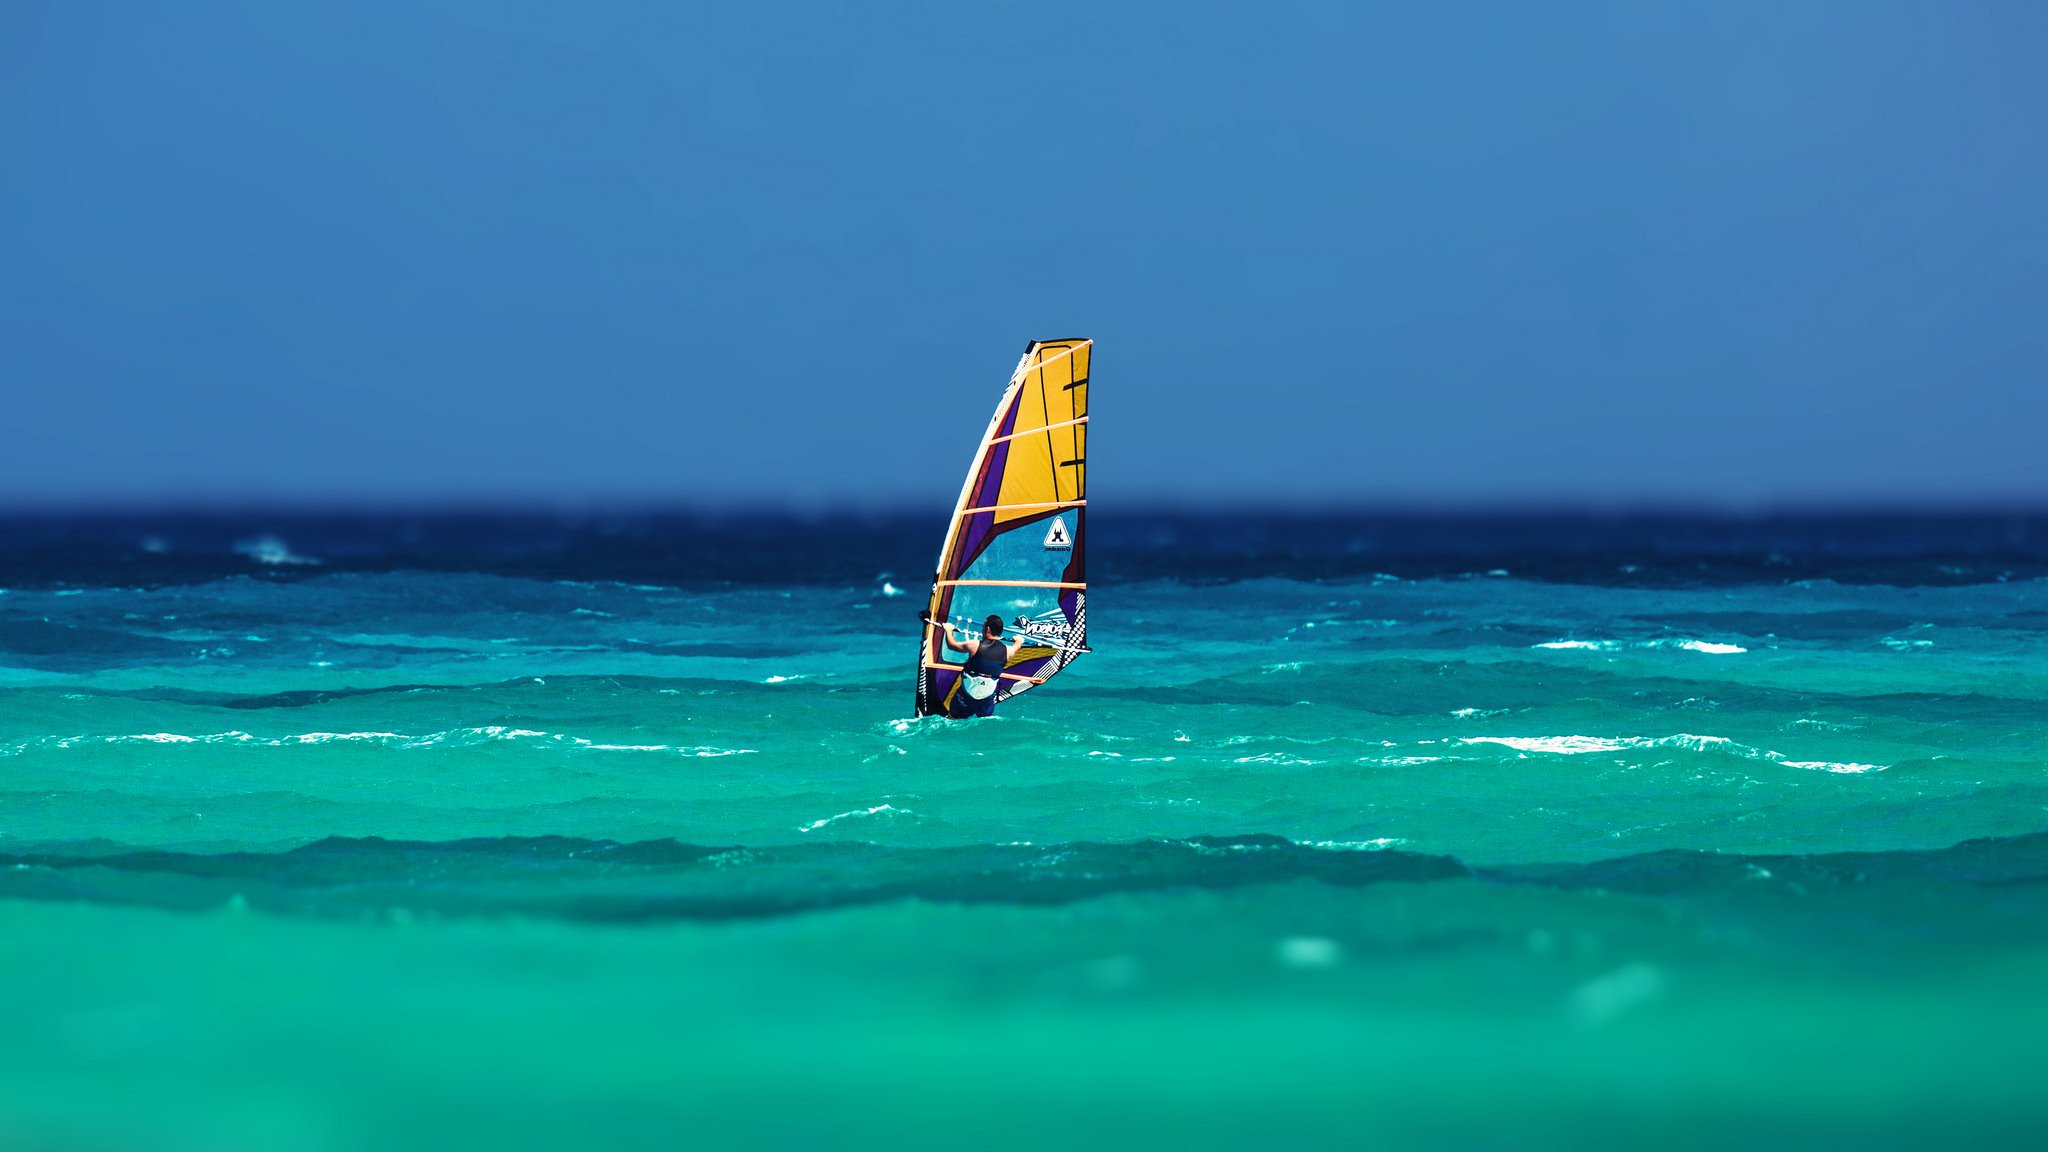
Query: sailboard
1015	544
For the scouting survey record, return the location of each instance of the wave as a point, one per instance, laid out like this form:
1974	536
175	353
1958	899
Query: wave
309	697
1710	647
266	549
1582	745
885	810
451	738
657	881
665	880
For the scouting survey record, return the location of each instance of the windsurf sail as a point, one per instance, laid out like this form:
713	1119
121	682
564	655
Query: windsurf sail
1015	545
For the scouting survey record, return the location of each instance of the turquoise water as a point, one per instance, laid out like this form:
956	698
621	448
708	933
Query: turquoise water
1325	843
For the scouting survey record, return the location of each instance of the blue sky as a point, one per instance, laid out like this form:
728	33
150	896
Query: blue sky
1333	253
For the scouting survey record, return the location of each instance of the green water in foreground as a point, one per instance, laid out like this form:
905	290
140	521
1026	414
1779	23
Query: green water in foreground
1475	863
1448	1016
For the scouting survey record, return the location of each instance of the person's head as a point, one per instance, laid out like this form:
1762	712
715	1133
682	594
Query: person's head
992	627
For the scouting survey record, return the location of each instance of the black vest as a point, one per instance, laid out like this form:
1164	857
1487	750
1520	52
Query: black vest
989	659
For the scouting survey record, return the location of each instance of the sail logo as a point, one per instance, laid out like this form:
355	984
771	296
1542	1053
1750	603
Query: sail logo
1057	538
1053	628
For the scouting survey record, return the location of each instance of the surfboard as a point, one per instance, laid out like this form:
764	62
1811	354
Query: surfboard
1015	544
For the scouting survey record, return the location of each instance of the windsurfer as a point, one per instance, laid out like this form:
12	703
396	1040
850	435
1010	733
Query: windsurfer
987	656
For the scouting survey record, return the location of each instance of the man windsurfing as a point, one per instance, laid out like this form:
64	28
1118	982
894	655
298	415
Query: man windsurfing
981	675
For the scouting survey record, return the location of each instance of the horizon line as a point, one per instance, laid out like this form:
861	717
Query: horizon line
15	509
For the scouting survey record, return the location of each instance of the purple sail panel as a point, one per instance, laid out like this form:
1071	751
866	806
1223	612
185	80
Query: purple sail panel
1075	567
941	683
975	532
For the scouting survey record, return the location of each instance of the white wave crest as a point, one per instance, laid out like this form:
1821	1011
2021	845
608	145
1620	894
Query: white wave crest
1559	745
452	738
1832	766
1580	745
137	738
1280	759
272	550
921	725
884	810
1709	647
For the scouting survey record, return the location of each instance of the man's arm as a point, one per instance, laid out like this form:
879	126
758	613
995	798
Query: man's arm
945	628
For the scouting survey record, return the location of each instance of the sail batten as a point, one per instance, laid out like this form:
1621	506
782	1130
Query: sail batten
1012	584
1031	504
1014	547
1035	431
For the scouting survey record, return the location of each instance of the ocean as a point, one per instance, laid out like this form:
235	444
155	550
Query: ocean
391	831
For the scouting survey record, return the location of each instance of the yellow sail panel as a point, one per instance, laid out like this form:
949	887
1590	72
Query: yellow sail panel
1048	468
